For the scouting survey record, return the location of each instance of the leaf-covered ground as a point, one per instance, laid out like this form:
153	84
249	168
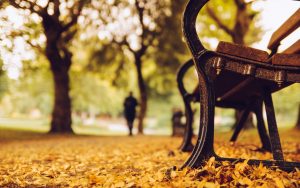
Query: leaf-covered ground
140	161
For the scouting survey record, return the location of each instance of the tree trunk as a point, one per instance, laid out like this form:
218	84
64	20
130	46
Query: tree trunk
61	114
143	93
298	119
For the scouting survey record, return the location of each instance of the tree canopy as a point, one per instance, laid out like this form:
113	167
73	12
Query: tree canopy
95	52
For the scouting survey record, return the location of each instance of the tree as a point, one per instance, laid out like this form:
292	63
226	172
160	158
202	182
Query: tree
32	85
59	28
241	23
169	54
134	26
3	80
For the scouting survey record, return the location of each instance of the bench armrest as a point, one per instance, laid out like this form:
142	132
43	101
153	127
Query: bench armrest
284	30
180	76
189	26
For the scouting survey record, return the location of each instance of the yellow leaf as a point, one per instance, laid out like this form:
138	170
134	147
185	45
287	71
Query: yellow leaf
210	185
120	184
245	181
211	162
279	183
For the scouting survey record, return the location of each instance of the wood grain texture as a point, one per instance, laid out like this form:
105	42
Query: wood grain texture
242	51
286	59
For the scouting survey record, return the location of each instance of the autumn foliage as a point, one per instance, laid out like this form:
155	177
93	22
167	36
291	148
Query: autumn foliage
141	161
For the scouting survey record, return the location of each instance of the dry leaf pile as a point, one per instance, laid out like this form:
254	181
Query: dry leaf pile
140	161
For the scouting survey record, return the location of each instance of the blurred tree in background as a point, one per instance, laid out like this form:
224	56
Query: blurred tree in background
170	53
286	104
3	80
114	47
56	20
135	28
229	20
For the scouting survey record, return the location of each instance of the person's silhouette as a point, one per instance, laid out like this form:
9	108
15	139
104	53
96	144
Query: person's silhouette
130	104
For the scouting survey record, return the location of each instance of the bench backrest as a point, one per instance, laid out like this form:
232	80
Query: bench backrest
294	49
283	31
190	14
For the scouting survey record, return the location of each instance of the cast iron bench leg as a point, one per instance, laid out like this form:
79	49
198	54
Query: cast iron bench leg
240	124
263	135
273	130
187	145
204	147
257	109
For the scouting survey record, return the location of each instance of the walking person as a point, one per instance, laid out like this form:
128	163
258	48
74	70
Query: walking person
130	104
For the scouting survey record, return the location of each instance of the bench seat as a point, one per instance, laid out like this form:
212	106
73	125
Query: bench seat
242	51
233	90
286	59
290	57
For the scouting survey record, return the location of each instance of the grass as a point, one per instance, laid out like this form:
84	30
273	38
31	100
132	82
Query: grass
42	126
33	125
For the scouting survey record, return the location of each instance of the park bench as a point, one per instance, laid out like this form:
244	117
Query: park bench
240	77
193	97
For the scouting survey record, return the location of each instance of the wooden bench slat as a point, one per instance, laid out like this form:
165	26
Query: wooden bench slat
242	51
294	49
284	30
286	59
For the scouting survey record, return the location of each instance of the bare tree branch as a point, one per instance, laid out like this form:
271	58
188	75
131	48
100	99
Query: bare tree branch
76	11
1	3
56	8
68	36
146	43
47	5
140	11
250	2
219	22
123	42
118	71
35	46
241	4
17	33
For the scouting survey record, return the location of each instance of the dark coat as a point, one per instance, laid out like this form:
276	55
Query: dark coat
130	104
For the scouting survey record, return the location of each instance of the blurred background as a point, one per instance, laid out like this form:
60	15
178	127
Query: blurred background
67	66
